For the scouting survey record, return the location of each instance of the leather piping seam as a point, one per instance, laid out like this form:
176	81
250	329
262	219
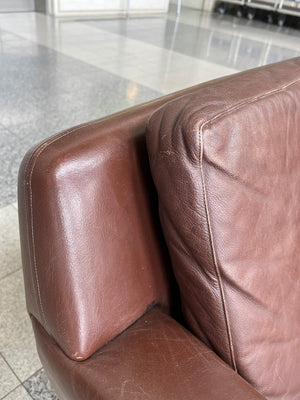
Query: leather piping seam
201	148
34	285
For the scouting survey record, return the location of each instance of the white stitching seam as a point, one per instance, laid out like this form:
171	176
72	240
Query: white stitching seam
26	215
200	130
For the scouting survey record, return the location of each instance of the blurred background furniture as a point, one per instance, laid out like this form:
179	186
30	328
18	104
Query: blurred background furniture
275	9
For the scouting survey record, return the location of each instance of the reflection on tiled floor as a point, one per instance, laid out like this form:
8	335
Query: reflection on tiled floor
44	92
225	44
58	73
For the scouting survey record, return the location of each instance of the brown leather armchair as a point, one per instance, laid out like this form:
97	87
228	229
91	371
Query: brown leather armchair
100	291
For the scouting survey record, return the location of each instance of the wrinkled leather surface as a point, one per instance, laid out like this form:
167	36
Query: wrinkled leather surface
92	250
96	260
156	358
226	164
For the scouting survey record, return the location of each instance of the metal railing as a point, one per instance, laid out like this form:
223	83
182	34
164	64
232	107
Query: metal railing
278	8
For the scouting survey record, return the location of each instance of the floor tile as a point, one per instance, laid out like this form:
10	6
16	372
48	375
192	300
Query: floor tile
135	49
39	387
41	97
8	171
17	342
47	84
10	258
8	380
18	394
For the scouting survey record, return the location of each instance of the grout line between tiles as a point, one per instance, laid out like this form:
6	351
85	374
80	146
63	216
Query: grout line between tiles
29	394
7	394
32	375
14	205
10	204
6	362
10	273
19	380
27	379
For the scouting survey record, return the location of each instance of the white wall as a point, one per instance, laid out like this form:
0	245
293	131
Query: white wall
197	4
93	7
16	5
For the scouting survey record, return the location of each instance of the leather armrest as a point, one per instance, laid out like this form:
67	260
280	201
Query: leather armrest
155	358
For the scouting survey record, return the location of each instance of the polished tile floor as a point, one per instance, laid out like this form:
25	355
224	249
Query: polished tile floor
58	73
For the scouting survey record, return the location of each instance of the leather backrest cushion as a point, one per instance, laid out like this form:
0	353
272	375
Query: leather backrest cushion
226	164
